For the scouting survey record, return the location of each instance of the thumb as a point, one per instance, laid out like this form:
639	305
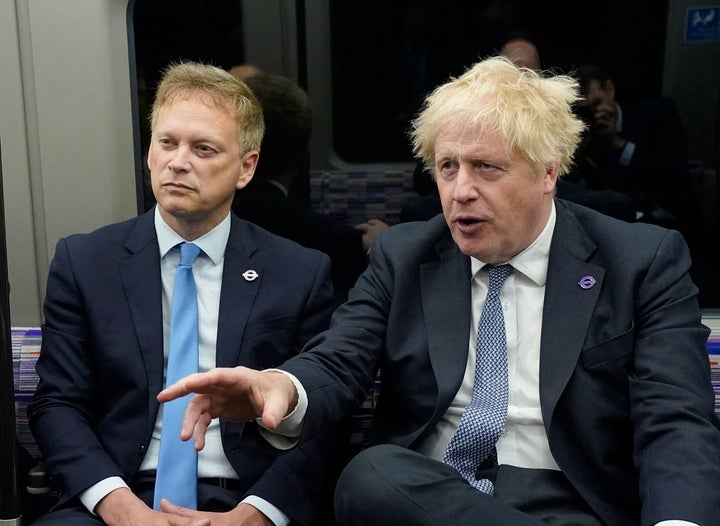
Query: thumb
168	507
274	411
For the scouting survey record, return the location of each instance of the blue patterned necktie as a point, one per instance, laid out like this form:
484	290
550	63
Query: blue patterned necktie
176	478
484	417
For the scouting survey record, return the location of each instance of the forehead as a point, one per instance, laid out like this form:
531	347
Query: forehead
195	114
468	141
595	90
197	101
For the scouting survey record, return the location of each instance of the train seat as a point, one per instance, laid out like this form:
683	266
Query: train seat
353	196
26	349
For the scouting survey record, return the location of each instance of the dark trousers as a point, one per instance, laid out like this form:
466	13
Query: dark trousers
390	485
211	497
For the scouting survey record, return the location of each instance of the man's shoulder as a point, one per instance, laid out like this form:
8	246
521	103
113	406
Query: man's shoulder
606	231
416	239
110	234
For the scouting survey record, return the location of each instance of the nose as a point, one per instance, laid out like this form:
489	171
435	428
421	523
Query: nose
180	160
465	185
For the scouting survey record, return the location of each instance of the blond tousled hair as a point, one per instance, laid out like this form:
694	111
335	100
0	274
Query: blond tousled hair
227	92
532	113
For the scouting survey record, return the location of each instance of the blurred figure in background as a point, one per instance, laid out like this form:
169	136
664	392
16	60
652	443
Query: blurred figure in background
521	52
284	154
639	148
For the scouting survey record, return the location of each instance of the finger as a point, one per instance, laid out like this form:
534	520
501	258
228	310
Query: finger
179	389
198	407
168	507
200	430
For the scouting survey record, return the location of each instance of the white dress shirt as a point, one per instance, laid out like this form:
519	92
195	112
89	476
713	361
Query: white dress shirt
523	442
207	271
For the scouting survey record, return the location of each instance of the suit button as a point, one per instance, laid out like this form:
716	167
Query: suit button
141	448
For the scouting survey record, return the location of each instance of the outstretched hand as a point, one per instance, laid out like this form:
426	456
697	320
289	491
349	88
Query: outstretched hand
238	394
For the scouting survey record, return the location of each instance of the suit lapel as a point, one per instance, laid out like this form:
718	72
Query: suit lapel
568	307
140	276
238	293
445	291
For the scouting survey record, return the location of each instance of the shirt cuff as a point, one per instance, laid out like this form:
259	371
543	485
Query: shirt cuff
277	517
675	523
95	493
285	435
627	153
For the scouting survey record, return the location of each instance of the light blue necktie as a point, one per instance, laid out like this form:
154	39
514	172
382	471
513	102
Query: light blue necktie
484	417
176	478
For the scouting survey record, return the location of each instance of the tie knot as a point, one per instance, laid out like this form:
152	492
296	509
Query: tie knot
498	275
188	254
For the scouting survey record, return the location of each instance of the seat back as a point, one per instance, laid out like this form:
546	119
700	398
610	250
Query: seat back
25	352
713	346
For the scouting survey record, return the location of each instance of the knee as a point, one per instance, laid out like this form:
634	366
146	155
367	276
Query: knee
364	486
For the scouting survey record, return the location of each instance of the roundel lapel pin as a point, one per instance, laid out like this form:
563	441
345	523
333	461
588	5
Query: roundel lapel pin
587	282
250	275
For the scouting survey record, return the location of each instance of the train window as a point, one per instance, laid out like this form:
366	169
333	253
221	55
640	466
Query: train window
368	65
387	55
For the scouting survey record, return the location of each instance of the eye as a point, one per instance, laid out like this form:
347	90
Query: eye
481	165
205	150
446	167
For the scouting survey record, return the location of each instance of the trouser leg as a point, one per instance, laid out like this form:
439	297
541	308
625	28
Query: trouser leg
389	485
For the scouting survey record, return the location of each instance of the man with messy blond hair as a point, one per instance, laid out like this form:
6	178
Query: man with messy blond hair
582	397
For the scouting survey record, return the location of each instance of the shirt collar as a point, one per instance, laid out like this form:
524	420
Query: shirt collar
212	244
533	261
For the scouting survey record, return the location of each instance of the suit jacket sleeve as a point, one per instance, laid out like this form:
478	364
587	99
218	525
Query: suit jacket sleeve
676	437
299	481
61	413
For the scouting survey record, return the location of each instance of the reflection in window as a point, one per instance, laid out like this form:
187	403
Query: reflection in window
387	55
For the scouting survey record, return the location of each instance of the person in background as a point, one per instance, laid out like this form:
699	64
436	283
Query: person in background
542	363
245	71
522	52
265	200
639	148
109	333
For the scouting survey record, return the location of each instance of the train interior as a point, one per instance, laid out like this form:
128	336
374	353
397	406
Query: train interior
78	80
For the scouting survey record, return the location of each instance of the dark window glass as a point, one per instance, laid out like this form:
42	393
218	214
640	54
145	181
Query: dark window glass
387	55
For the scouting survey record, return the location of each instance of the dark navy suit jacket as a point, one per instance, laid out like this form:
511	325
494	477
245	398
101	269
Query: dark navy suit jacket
101	363
625	386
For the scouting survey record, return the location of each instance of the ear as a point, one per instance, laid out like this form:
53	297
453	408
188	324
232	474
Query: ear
148	160
550	177
248	163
